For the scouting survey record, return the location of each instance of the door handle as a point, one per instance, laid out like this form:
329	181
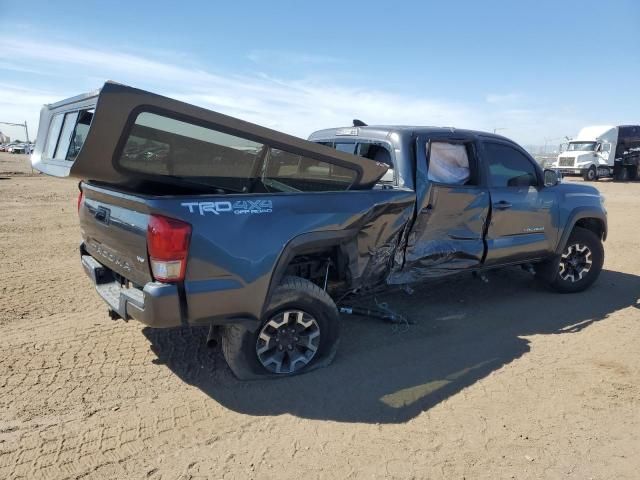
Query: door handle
502	205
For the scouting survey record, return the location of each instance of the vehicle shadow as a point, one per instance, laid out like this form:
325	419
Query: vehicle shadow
465	330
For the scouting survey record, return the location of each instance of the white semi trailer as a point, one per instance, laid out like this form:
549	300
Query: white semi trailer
602	151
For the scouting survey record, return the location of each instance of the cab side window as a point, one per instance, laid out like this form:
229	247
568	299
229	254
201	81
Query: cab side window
508	167
374	151
449	163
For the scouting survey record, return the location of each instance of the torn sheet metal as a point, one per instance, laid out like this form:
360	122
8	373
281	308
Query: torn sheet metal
447	235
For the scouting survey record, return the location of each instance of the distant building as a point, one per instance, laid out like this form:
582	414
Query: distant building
4	138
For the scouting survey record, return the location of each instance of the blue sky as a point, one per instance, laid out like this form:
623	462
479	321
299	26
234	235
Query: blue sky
538	70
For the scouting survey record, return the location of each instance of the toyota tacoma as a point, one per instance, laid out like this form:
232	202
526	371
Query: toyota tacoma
191	217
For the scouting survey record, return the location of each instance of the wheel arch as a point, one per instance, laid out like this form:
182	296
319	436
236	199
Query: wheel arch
584	217
306	243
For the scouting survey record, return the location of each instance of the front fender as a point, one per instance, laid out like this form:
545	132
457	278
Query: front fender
577	214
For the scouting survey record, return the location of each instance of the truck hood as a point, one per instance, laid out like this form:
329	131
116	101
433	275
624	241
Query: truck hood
577	189
107	117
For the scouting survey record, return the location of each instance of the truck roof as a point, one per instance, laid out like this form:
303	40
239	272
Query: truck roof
591	133
384	132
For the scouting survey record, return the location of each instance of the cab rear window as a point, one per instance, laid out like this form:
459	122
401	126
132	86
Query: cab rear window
159	145
305	174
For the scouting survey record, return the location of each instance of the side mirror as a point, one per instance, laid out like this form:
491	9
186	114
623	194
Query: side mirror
552	177
599	147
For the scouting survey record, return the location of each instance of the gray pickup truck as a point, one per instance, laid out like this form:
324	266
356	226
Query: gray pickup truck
191	217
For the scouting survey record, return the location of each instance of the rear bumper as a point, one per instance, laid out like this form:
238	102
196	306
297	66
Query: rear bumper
156	305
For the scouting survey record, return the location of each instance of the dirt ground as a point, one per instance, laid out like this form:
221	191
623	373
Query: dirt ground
496	380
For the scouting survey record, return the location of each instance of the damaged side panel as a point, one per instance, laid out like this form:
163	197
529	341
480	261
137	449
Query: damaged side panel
236	259
379	241
448	234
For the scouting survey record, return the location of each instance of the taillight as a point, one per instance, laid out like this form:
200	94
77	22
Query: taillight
168	245
80	199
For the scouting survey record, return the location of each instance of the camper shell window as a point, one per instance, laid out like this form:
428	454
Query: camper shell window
68	125
79	133
67	133
161	146
53	135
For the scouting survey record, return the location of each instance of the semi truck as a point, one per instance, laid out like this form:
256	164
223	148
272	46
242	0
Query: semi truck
602	152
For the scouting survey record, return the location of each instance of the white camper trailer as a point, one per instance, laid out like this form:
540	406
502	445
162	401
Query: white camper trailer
602	151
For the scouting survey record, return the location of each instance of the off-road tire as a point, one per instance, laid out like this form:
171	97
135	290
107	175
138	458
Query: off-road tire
293	293
583	238
591	174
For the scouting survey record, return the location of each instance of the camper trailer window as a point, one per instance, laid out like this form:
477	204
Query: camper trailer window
79	133
65	135
54	133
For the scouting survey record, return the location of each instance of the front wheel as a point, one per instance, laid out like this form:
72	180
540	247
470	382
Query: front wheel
299	332
591	174
580	262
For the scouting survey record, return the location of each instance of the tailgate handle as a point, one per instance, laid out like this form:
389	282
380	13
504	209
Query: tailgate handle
102	214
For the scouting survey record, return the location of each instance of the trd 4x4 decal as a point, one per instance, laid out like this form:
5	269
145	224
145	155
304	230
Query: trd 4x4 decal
238	207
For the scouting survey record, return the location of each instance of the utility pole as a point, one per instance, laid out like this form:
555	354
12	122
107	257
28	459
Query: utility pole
23	125
26	132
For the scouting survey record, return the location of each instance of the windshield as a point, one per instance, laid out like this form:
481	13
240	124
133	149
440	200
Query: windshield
582	146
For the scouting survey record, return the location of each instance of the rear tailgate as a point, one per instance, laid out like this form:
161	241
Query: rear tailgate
114	230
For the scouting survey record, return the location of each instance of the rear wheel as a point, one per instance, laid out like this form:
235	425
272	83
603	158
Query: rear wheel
299	332
620	173
632	172
580	262
591	174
